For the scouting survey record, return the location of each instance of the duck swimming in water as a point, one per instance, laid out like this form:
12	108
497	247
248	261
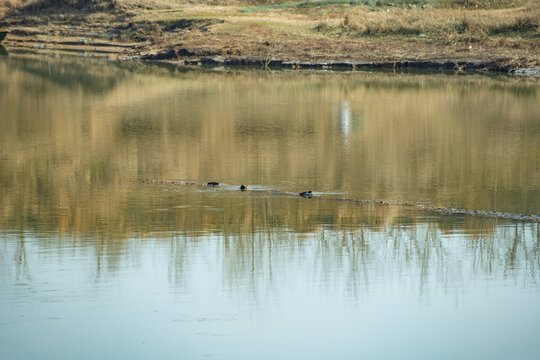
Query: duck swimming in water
243	187
307	194
212	183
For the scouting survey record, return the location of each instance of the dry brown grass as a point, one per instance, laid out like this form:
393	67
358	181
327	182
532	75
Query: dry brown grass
104	5
8	5
448	25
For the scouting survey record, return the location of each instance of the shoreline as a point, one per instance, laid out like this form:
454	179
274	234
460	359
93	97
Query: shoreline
464	67
334	37
460	66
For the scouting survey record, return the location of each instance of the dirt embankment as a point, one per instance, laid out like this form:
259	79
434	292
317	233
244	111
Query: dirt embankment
325	34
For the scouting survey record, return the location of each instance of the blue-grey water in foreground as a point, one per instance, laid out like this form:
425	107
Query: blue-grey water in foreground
98	262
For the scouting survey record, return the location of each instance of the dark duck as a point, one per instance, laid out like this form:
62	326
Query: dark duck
307	194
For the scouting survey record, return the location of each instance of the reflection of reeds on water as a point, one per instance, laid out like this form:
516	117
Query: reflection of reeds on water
255	265
256	239
251	230
77	134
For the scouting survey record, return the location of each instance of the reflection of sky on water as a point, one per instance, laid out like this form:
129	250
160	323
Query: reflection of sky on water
401	290
345	119
348	121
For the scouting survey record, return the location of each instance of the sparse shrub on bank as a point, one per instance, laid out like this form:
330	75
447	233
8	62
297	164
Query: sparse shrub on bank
479	4
67	5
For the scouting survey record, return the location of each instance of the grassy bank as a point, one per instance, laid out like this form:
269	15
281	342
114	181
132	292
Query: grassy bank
501	31
440	24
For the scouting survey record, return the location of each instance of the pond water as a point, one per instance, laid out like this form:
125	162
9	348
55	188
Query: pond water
111	246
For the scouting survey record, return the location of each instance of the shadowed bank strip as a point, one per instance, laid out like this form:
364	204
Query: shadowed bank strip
322	3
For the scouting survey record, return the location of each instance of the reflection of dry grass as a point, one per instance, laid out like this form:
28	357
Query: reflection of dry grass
462	142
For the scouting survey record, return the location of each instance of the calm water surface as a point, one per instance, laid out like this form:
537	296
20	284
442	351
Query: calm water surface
95	263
